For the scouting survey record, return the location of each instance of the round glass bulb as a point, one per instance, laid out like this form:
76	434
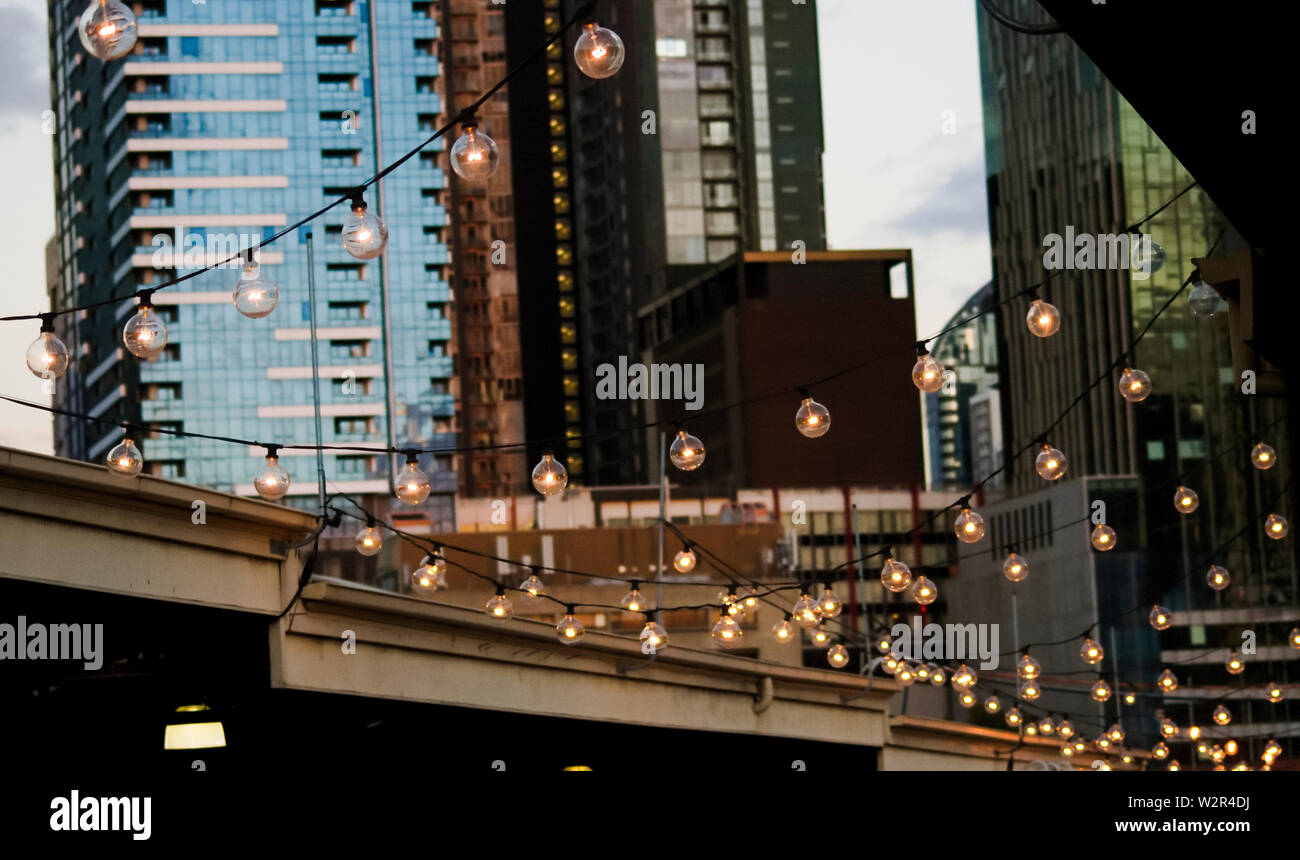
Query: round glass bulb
969	526
1167	681
499	608
425	577
905	674
125	459
365	235
1103	538
924	591
1274	693
684	561
255	294
653	638
829	605
1100	691
1015	568
812	419
1261	456
549	476
821	637
837	656
937	677
1028	668
1293	638
47	357
1043	319
532	586
474	155
1204	300
1030	691
1050	463
1222	716
1234	664
1218	577
1160	618
927	373
1186	500
1160	750
1134	385
895	575
726	632
1091	652
412	485
1046	726
369	541
144	334
598	52
964	677
992	705
1065	729
633	601
686	452
805	612
966	699
1013	717
272	482
1276	526
107	29
783	631
570	630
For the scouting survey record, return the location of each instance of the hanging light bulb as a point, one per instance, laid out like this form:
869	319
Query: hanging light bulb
598	51
1274	693
726	632
821	637
1193	732
837	656
883	645
1046	726
368	541
1103	538
805	612
890	664
1276	526
653	637
1015	568
1031	691
905	674
1262	456
1167	681
255	294
1234	664
1293	638
812	419
1168	728
1028	668
549	475
969	526
412	484
1174	765
783	631
474	155
1218	577
1160	618
1050	464
1065	729
1160	751
966	699
1102	743
1204	300
937	677
1185	500
1221	716
1100	691
1091	652
1129	698
1043	319
1115	733
964	677
922	672
125	459
107	29
570	629
47	357
1013	717
633	601
684	561
272	482
365	235
924	591
1134	385
731	603
425	577
533	585
748	597
992	705
144	334
686	452
499	608
895	575
927	373
829	605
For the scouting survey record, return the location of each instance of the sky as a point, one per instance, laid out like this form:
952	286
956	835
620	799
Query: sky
895	78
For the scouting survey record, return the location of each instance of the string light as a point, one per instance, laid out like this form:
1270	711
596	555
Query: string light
1100	691
1234	664
365	235
1028	668
369	541
829	605
1091	652
922	672
731	602
1103	538
255	294
1030	691
632	601
1204	300
1221	716
47	357
783	631
431	574
890	664
883	645
895	575
992	705
1174	765
413	485
1274	693
966	699
144	334
1263	456
684	561
837	656
533	585
821	637
598	51
107	29
748	597
969	526
1050	464
1218	577
549	475
1160	618
1116	733
125	459
1276	526
474	155
812	419
1160	751
726	632
805	612
686	452
1015	568
927	373
905	674
1134	385
937	677
1293	638
1185	500
499	608
1129	698
1065	729
924	592
1167	681
570	629
1013	717
653	637
1043	319
272	482
964	677
1046	726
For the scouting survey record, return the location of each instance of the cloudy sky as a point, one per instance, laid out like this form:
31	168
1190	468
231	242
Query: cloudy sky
894	179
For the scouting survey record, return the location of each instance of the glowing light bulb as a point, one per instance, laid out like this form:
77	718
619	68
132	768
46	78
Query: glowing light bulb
1193	732
1274	693
369	541
107	29
1013	717
412	484
1234	664
821	637
549	475
1103	538
144	334
1204	300
1015	568
890	664
1043	319
937	677
499	608
992	705
653	637
1218	577
969	526
272	482
748	597
1067	750
964	677
1100	691
633	601
1276	526
474	155
598	51
533	586
1091	652
1046	726
1186	500
425	577
1221	716
255	294
966	699
1102	743
924	591
726	632
905	674
837	656
125	459
812	419
570	629
883	645
927	373
895	575
805	612
1028	668
1167	681
783	631
365	235
1169	728
1174	765
1160	750
731	603
1134	385
829	604
1160	618
922	672
684	561
1263	456
1050	464
1065	729
47	357
1293	638
1115	733
686	452
1030	691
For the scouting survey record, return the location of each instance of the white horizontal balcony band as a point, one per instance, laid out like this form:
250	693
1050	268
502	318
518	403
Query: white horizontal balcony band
206	106
189	67
209	30
207	297
235	219
1207	656
307	486
360	371
333	410
98	409
102	367
340	333
145	183
204	144
171	259
106	441
256	451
